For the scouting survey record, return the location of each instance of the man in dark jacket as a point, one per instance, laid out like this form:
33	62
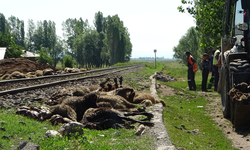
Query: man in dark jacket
205	71
211	81
191	71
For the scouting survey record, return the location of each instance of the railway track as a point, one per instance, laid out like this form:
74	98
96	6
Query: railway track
21	85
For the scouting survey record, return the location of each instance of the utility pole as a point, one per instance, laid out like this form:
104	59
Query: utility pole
155	57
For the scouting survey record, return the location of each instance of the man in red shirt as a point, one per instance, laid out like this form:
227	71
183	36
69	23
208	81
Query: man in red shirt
192	68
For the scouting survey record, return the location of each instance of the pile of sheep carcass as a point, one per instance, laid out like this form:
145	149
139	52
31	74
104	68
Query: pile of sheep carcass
100	107
240	93
164	77
19	75
38	73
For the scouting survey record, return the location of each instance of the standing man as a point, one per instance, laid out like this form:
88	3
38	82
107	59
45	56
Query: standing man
192	68
215	66
219	72
205	71
211	81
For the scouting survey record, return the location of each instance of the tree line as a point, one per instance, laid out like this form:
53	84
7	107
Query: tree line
107	43
207	33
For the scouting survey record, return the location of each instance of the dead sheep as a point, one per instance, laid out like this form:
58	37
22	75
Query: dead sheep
34	112
232	92
94	87
105	86
100	87
47	71
140	97
17	75
71	70
111	87
147	103
30	75
39	73
74	107
80	90
102	84
59	96
105	118
123	92
243	87
82	69
160	101
5	77
116	101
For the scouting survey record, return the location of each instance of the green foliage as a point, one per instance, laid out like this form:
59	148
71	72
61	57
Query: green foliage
44	57
13	51
86	48
2	23
189	42
208	16
29	40
105	57
118	40
5	40
17	30
103	45
58	50
13	41
99	22
68	61
73	28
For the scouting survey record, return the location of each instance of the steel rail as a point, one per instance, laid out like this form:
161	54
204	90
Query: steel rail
13	91
18	83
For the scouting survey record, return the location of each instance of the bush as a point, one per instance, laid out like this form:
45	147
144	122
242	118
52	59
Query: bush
68	61
44	57
13	51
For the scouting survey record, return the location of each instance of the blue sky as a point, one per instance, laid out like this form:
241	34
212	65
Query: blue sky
152	24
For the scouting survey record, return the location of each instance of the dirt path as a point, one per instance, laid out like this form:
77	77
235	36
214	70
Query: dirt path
240	138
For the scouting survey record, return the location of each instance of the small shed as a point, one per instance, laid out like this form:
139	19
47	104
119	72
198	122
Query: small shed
2	52
30	55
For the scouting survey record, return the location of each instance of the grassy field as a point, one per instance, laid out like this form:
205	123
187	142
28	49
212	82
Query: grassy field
180	116
183	114
22	128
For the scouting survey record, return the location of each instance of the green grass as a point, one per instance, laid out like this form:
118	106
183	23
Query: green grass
183	110
180	110
34	131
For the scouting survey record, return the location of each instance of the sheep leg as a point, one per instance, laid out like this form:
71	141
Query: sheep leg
149	115
134	121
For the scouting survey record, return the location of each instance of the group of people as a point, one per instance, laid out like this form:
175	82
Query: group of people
212	63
